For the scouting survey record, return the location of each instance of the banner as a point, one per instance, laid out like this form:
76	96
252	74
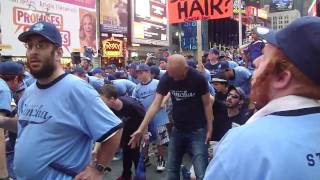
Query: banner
114	16
84	3
150	25
77	25
281	5
190	10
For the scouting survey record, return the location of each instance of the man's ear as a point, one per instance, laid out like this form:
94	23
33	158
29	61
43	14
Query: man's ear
281	80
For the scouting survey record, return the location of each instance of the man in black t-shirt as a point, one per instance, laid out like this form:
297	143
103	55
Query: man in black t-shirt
131	112
234	102
192	116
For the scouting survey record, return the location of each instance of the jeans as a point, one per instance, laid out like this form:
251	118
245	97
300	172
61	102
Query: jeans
182	142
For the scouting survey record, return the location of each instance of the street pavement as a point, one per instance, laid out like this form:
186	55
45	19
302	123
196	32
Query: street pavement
151	172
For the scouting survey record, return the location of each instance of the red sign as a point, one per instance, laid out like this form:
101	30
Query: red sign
190	10
83	3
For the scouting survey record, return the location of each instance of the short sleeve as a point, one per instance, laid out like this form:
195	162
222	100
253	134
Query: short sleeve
163	86
130	87
5	101
202	85
98	121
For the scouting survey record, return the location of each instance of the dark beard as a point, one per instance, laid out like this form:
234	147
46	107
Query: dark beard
48	68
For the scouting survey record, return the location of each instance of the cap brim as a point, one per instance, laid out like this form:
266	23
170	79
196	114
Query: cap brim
23	37
269	35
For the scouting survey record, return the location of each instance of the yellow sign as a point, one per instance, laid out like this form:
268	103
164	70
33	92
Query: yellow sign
263	14
5	46
112	47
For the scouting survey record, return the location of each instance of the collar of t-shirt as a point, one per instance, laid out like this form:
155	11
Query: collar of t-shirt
146	82
46	86
281	104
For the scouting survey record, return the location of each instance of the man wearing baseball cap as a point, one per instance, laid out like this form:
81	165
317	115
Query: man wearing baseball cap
281	140
56	127
11	76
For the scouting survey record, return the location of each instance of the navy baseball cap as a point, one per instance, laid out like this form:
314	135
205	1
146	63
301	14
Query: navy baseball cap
223	65
155	70
11	68
192	63
214	51
300	42
143	67
97	71
44	29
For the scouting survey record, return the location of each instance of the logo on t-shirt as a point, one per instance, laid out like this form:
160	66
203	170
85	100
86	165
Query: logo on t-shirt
182	95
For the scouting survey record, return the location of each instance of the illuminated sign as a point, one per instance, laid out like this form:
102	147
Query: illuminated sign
112	47
149	22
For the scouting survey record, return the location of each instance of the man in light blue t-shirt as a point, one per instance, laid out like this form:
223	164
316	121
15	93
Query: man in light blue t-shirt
145	93
281	140
60	117
11	76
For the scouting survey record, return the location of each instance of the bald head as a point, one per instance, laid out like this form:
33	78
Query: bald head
177	66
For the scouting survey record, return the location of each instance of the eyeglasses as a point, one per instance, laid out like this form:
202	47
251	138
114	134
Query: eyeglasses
233	96
39	46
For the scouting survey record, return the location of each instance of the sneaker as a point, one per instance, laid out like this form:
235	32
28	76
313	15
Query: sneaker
118	156
147	162
161	166
185	173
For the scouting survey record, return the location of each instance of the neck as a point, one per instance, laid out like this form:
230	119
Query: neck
233	111
147	80
213	61
118	105
58	72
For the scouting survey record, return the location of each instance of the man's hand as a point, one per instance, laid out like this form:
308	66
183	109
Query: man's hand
135	139
90	173
208	137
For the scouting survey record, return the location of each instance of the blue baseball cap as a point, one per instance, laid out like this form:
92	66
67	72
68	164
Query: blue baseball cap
97	71
214	51
143	67
300	42
11	68
223	65
155	70
44	29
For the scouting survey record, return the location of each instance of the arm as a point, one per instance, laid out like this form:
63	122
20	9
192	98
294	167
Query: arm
8	123
153	109
104	153
3	164
207	105
165	99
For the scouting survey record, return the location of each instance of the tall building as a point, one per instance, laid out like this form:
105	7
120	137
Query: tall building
280	20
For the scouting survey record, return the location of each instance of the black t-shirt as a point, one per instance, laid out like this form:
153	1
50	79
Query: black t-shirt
187	111
221	122
132	114
239	119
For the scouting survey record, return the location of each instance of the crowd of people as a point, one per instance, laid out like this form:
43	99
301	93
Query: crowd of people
254	117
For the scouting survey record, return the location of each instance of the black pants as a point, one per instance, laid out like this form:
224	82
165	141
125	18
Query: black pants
129	155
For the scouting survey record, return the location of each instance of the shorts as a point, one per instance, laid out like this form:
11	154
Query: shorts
159	134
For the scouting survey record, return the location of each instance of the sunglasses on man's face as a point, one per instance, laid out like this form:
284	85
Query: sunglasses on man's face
233	96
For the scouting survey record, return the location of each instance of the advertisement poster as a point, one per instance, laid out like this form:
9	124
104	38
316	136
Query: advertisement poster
114	16
69	18
281	5
190	10
150	24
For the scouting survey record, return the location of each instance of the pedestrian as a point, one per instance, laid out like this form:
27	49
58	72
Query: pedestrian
145	93
11	76
60	116
192	116
131	112
280	141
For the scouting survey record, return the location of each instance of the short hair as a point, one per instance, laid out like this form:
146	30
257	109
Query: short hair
109	91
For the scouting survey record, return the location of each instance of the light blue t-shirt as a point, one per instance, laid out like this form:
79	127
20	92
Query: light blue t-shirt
242	79
59	124
162	72
145	94
5	97
132	79
284	146
124	86
95	82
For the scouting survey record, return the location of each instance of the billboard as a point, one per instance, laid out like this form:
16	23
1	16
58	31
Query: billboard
114	16
190	10
77	24
281	5
149	22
